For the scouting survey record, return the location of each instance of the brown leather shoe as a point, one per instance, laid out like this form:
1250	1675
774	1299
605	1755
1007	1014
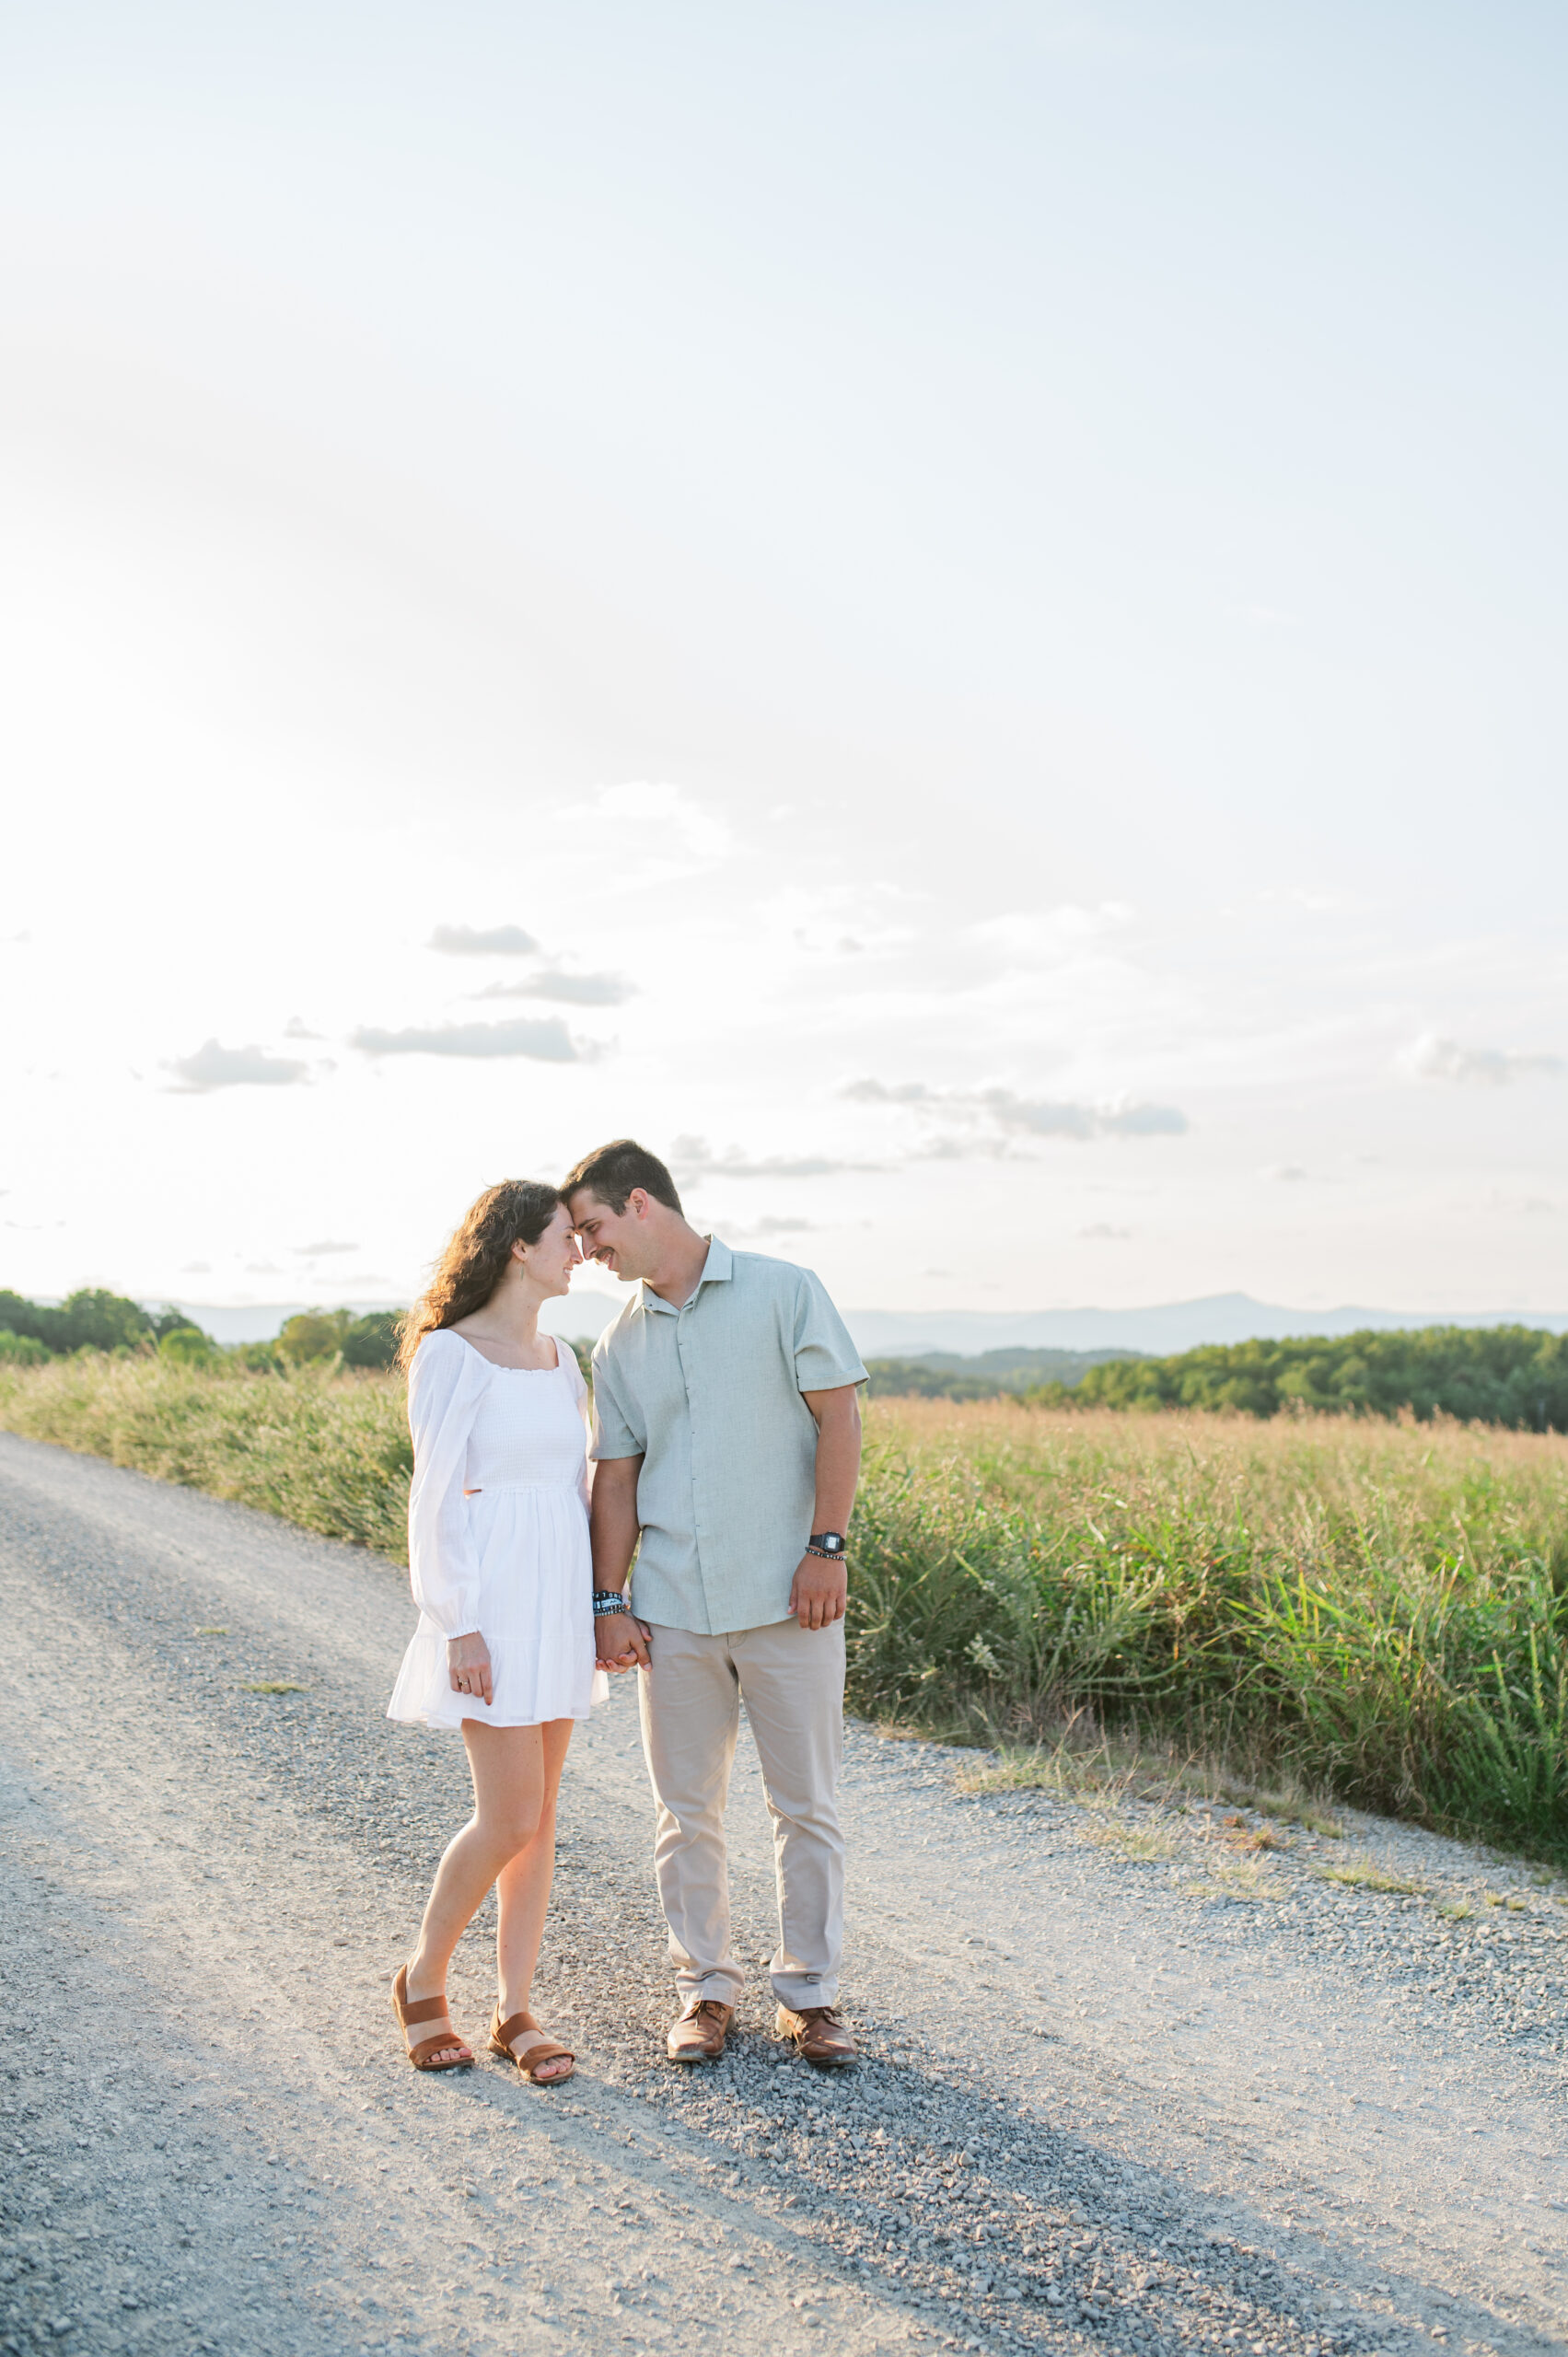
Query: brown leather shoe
698	2034
821	2035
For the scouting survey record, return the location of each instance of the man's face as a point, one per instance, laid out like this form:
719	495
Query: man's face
623	1242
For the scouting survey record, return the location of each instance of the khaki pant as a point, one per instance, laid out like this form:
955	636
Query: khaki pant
792	1682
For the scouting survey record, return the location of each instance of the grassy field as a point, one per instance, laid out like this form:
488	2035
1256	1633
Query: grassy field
1377	1611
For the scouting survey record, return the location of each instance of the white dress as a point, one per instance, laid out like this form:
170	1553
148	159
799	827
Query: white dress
512	1560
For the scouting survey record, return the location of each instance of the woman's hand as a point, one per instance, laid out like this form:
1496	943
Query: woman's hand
622	1641
468	1666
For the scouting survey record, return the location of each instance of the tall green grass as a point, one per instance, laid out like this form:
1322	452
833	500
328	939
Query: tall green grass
328	1451
1377	1610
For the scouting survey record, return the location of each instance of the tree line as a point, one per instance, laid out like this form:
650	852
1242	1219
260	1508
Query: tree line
95	1319
1515	1376
947	1374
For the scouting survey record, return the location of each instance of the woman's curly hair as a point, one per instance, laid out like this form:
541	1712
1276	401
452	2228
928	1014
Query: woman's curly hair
518	1210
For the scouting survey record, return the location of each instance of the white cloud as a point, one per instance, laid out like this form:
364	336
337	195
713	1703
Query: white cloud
768	1229
1288	1172
546	1041
692	1160
567	990
1004	1114
1103	1233
310	1251
213	1066
1432	1057
494	941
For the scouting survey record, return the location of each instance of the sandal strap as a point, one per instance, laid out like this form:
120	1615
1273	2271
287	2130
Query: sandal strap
423	2009
504	2032
433	2046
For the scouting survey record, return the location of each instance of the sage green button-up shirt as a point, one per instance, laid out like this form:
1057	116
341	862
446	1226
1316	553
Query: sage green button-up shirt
708	1396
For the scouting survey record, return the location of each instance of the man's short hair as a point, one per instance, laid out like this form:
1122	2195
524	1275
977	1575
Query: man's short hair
612	1171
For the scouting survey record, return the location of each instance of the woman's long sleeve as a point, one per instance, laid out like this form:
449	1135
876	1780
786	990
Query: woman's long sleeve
446	1384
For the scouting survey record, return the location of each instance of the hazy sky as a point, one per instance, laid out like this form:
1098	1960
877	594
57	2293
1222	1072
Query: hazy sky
952	613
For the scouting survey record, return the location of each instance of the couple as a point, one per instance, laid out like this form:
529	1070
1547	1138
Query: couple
724	1452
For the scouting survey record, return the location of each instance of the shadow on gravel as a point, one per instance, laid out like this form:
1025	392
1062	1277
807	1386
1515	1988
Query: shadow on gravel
1012	2236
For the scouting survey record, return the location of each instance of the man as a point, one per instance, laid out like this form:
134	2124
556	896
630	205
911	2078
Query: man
726	1441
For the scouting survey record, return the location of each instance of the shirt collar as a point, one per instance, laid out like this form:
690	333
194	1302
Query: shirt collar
718	1269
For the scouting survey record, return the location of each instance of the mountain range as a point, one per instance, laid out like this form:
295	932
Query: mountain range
1168	1326
905	1333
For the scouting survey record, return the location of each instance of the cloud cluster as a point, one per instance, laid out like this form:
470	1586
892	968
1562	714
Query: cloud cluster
567	990
993	1116
472	941
547	1041
550	982
1432	1057
693	1160
213	1066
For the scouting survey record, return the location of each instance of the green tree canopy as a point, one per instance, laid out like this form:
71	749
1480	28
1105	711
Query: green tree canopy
91	1319
1495	1375
372	1339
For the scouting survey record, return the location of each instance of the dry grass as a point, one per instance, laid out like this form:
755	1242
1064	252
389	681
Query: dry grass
1365	1874
1268	1613
1146	1843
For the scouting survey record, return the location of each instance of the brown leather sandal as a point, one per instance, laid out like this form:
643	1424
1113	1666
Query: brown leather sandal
503	2041
426	2008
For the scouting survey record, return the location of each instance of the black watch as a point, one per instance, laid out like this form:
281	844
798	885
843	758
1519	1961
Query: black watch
826	1543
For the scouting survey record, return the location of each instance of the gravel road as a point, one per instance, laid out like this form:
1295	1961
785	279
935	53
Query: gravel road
1133	2082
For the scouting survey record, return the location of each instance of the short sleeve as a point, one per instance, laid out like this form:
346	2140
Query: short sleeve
825	1358
613	1433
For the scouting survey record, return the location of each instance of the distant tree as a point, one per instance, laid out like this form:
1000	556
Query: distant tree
21	1350
1496	1375
172	1321
991	1375
372	1339
314	1334
23	1318
187	1346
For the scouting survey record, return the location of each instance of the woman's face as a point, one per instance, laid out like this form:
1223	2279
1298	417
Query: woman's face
551	1262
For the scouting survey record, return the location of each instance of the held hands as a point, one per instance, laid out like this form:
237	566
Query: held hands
819	1591
468	1667
622	1641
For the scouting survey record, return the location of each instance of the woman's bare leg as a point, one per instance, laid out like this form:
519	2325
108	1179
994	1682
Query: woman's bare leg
507	1765
522	1890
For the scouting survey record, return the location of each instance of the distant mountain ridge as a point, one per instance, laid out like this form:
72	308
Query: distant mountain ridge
1165	1327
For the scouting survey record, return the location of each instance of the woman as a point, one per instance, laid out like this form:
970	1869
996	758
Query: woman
498	1555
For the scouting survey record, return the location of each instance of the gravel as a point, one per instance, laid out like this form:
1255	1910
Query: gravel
1131	2082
